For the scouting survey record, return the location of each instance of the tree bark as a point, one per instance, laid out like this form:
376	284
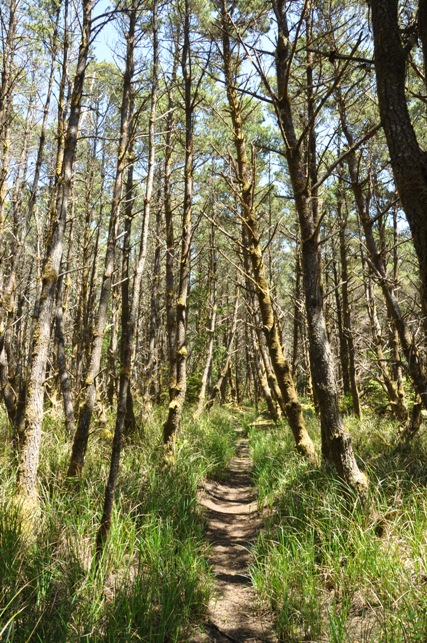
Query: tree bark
89	394
416	368
33	416
280	364
347	325
336	442
213	307
178	391
227	361
408	160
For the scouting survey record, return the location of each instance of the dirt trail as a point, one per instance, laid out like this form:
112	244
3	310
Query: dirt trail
233	523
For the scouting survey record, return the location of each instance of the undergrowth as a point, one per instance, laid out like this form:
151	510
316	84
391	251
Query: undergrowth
153	582
331	569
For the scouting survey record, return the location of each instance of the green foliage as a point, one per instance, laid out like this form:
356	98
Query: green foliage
166	592
375	395
194	382
153	581
331	568
214	436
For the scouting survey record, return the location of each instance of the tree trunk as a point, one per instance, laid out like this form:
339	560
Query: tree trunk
336	442
397	368
178	391
150	387
396	402
8	79
227	361
112	375
62	362
416	368
33	416
347	329
298	317
408	160
261	374
86	300
270	326
213	306
343	348
170	240
89	394
129	313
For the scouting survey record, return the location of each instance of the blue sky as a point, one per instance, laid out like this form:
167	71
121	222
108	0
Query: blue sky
107	37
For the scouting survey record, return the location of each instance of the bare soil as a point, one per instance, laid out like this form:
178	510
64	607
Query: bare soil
235	612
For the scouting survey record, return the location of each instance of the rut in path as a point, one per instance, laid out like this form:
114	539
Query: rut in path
233	523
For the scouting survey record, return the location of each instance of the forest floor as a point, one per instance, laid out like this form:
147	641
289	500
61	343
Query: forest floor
235	612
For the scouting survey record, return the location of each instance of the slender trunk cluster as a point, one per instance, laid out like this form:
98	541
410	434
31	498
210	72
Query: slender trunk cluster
129	312
179	386
336	442
416	368
348	348
33	416
89	391
280	364
213	307
218	387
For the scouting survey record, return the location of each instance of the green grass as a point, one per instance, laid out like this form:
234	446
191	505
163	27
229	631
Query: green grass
331	569
153	582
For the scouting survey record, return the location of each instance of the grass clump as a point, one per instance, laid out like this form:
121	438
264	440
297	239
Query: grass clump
331	569
153	582
213	435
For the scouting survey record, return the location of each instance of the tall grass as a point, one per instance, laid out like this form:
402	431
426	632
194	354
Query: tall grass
331	569
153	581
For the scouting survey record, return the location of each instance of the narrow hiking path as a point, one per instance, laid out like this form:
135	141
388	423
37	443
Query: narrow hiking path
233	523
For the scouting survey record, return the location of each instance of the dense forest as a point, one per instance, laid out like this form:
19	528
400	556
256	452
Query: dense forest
213	238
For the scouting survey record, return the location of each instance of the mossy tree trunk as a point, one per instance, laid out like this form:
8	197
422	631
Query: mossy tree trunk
89	391
179	387
226	367
260	374
33	413
416	368
292	406
212	280
130	312
336	442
